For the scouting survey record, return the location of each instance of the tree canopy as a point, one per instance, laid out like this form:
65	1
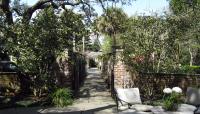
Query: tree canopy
168	43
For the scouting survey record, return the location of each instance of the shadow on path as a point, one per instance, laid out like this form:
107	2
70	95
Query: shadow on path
94	98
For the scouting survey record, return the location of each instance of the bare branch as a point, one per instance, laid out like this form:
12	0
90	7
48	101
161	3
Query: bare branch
102	5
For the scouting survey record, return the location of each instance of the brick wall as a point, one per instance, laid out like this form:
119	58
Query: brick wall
151	85
122	76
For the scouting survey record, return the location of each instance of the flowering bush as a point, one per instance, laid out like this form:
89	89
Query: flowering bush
171	98
177	90
167	90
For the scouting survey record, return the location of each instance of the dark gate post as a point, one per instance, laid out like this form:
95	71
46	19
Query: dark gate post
112	71
113	65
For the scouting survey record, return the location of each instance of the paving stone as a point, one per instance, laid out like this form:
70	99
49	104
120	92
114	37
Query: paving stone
94	96
186	108
144	108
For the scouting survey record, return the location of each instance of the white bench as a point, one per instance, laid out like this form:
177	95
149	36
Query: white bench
130	97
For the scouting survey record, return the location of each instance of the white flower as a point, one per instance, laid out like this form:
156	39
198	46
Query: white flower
177	89
167	90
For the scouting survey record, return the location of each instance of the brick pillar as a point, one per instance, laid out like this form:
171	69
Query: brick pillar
122	76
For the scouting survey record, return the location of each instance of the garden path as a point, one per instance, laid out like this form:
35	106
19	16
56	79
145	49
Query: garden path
94	98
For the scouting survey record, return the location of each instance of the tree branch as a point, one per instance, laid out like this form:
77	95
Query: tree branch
101	2
29	12
72	4
17	11
41	4
6	10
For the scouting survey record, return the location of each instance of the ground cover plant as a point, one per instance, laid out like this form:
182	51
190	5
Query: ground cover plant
62	97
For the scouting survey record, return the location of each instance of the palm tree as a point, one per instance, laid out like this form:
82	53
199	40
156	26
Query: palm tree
112	23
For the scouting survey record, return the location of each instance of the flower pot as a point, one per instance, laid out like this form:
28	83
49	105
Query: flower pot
173	107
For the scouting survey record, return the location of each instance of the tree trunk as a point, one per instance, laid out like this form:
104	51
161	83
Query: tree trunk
191	57
159	60
197	56
4	5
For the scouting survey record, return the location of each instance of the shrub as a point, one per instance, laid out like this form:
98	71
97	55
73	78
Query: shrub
189	69
171	102
62	97
172	98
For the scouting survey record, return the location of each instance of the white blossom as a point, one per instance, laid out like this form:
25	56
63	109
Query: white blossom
177	89
167	90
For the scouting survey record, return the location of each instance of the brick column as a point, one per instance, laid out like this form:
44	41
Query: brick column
122	76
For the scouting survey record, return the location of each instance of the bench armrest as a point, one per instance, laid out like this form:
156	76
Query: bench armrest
197	111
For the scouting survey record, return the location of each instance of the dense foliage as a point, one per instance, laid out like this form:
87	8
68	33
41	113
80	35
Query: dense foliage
39	36
36	46
166	43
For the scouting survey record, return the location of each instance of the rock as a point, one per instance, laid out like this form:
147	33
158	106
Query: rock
130	111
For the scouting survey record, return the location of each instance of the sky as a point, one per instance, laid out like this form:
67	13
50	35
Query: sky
138	7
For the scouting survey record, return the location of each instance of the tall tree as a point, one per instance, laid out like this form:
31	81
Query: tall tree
188	13
183	6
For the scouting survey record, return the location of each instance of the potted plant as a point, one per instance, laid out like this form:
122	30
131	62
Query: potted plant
172	98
